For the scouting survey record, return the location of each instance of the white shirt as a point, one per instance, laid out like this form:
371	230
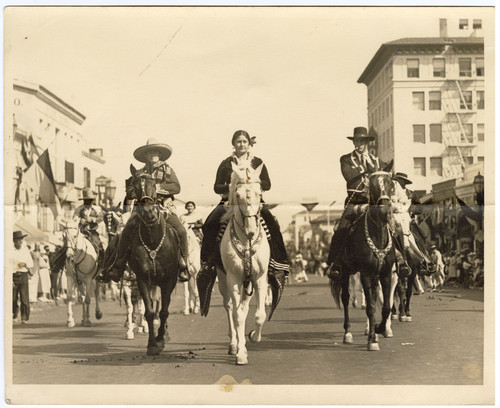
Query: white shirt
21	259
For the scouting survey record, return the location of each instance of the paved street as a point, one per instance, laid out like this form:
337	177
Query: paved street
301	345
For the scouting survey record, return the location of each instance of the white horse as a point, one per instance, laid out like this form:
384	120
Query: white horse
81	270
191	296
134	304
245	254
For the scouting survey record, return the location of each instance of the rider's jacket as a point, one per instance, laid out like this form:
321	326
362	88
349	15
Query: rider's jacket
223	177
167	183
88	217
355	173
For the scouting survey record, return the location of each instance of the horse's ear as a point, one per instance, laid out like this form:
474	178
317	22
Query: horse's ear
388	166
133	170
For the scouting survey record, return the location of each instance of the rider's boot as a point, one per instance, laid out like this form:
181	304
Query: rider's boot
183	271
336	248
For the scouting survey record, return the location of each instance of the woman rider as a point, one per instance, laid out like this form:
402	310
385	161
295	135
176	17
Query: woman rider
210	254
193	220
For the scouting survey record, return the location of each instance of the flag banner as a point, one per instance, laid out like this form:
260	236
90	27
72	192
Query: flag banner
39	180
29	151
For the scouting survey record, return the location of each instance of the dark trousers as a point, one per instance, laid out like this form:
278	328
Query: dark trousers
340	235
20	290
175	223
54	284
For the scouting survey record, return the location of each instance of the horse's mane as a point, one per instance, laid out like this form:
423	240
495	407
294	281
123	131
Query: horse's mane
235	178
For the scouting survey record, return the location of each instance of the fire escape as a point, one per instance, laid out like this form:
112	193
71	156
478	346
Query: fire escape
457	130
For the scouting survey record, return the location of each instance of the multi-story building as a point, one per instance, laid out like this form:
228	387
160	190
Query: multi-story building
426	102
43	121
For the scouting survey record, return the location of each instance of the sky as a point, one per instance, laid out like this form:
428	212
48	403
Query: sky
191	76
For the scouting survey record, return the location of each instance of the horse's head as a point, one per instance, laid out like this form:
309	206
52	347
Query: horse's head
381	189
245	196
70	236
142	187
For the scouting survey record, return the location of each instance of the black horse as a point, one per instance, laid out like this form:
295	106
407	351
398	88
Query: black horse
154	254
369	249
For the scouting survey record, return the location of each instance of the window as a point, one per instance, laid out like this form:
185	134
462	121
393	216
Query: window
436	166
412	68
466	100
479	66
436	134
480	158
463	24
419	133
86	178
390	104
469	160
477	24
435	100
418	101
439	67
419	166
69	172
480	99
466	136
480	132
464	67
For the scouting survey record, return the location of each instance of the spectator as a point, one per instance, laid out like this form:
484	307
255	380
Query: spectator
467	269
21	262
438	276
452	267
299	269
34	276
44	276
193	220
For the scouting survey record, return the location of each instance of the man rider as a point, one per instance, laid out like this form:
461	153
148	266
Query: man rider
89	216
154	155
356	168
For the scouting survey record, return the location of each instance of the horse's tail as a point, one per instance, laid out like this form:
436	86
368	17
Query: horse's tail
336	289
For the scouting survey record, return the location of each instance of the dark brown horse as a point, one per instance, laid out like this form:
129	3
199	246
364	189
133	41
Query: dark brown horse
154	254
369	249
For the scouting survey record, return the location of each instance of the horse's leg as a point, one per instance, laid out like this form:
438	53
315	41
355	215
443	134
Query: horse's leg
409	292
97	289
386	281
369	287
228	306
187	298
87	287
195	294
260	313
166	292
392	290
240	312
145	292
352	290
127	297
344	282
70	299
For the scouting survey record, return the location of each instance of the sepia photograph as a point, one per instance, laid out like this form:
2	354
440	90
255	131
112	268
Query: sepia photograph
249	205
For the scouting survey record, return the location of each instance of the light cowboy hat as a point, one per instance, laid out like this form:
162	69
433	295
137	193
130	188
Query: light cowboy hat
87	194
18	235
361	133
403	177
152	144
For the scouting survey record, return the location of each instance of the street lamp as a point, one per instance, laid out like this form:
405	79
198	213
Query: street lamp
479	189
100	183
110	190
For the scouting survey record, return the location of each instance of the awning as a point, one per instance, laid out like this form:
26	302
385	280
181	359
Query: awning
34	234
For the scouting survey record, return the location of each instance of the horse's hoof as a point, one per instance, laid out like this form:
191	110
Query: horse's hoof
355	303
140	330
241	360
145	328
408	318
388	334
86	323
363	307
348	338
196	310
395	317
98	315
251	337
161	345
373	347
366	332
186	312
153	351
71	323
403	318
129	336
232	350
